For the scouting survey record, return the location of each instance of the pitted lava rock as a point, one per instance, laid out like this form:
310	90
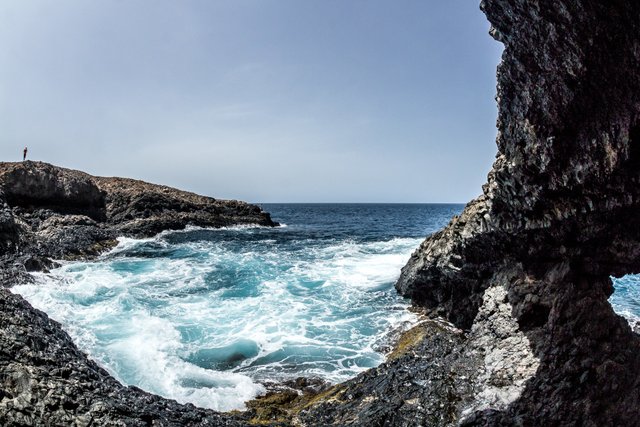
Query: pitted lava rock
525	270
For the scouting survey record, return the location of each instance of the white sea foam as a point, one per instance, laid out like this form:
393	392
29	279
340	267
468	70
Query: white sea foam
209	321
626	297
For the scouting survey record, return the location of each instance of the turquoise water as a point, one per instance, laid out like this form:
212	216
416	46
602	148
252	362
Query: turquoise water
207	316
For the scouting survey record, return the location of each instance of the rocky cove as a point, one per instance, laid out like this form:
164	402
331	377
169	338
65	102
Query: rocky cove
517	328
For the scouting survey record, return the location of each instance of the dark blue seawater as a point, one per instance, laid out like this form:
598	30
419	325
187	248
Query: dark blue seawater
207	315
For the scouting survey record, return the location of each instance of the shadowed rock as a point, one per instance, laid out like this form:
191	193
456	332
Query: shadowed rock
524	272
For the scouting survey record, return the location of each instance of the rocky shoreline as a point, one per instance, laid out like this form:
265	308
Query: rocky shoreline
518	329
52	212
48	212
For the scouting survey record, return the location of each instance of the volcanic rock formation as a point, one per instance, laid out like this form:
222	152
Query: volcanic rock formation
49	211
524	272
560	213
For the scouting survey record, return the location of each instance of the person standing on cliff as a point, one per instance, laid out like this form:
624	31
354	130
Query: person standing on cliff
24	154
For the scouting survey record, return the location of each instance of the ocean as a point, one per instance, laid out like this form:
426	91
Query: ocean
207	316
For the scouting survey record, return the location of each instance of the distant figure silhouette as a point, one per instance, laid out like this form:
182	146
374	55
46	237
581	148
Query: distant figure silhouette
24	154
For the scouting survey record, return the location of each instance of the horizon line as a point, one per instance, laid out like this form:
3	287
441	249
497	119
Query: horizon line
358	203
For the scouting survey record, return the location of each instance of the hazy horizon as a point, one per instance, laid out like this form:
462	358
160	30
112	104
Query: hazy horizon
263	101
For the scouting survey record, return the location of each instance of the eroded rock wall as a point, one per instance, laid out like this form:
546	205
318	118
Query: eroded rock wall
563	202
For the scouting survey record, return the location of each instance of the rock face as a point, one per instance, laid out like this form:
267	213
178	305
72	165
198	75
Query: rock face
524	272
560	212
41	185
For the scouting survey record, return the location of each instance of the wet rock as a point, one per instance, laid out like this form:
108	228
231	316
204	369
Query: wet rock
37	263
46	380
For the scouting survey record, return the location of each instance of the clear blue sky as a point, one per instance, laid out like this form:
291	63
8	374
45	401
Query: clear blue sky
261	100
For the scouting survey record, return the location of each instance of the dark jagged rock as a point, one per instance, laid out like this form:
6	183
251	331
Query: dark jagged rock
143	209
525	269
8	229
50	212
563	202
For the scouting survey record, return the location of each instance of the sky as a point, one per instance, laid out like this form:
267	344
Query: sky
258	100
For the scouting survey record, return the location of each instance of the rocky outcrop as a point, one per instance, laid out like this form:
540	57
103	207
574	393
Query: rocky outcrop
524	272
41	185
142	209
562	203
51	211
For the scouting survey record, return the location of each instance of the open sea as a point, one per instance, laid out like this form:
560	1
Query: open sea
208	315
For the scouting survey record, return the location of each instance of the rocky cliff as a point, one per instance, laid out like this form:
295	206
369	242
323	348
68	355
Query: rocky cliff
523	274
51	212
559	215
